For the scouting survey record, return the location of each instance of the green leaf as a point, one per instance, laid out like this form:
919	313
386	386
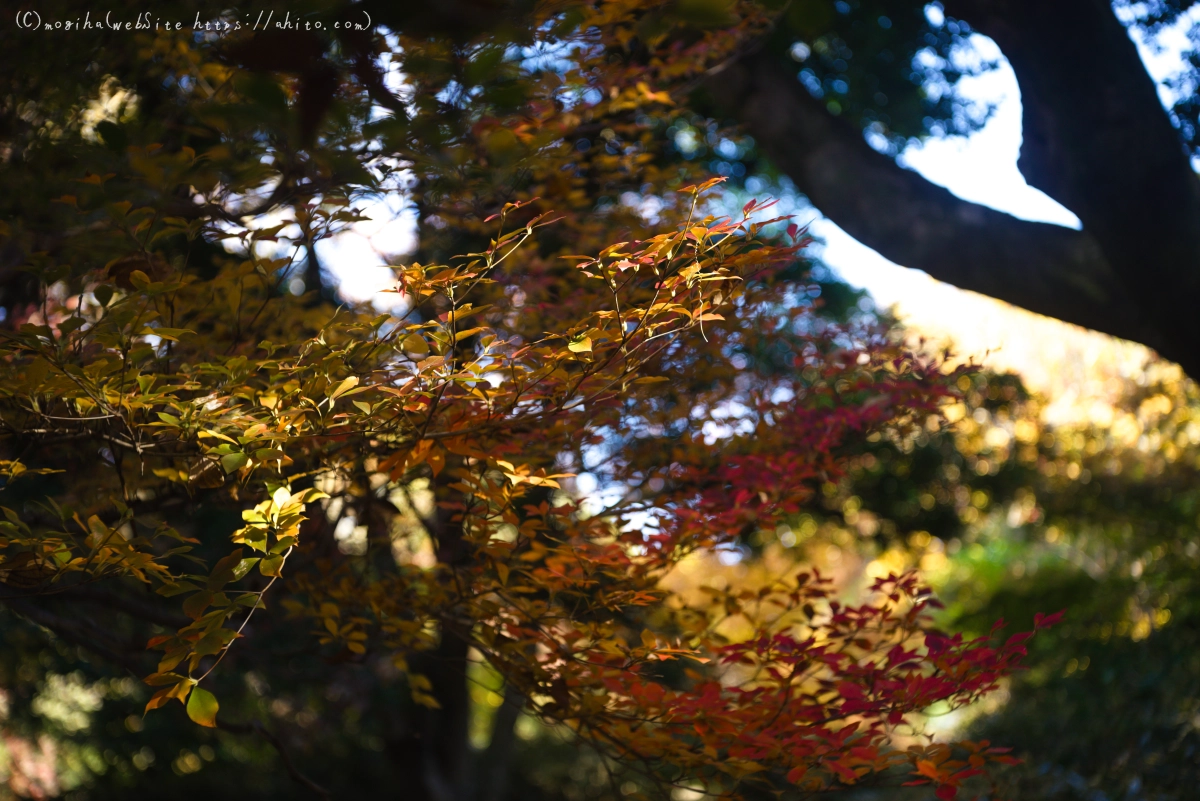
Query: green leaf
202	708
195	605
69	325
222	572
178	588
271	566
243	567
233	461
415	346
172	334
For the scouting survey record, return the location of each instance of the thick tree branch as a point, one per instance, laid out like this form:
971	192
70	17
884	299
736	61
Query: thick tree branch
134	607
1096	138
1044	268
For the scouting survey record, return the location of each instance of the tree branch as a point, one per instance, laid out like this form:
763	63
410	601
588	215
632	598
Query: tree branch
75	632
1096	138
1044	268
277	744
149	612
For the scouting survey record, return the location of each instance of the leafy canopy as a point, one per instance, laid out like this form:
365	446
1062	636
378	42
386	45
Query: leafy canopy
674	360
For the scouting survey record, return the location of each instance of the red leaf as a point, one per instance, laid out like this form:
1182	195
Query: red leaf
1041	621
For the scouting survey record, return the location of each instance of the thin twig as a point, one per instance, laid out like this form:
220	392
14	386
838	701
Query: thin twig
258	728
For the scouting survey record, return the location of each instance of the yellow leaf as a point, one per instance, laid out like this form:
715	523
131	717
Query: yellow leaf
280	497
202	708
461	335
436	460
158	699
581	345
344	387
179	690
425	700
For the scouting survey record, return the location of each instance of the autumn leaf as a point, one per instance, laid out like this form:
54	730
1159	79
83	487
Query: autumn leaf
202	707
344	387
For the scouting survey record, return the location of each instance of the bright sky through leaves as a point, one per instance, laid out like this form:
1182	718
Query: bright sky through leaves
1054	357
1075	367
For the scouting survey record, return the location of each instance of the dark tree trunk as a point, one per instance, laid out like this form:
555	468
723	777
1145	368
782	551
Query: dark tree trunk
444	731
